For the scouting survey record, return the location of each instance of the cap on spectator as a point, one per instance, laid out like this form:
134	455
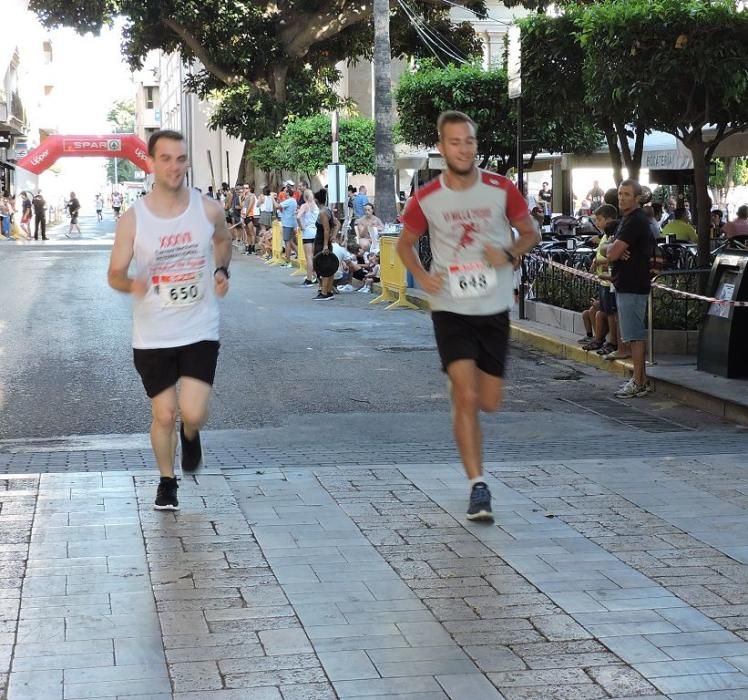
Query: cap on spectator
289	182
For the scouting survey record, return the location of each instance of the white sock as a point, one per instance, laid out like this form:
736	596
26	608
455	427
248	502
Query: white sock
477	480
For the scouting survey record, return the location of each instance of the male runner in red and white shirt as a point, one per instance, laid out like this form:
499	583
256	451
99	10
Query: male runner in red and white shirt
469	214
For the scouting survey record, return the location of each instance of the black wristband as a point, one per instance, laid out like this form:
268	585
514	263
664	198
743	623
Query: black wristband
510	256
223	269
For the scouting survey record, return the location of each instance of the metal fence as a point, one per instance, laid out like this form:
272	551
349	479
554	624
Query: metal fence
567	290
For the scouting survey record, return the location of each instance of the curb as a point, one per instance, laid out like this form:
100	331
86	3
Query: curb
714	405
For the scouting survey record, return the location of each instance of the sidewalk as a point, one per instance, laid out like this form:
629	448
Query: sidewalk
616	578
674	376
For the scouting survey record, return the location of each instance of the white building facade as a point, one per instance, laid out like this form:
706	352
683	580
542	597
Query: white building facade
162	103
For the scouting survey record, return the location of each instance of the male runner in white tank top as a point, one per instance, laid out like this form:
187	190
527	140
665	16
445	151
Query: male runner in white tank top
182	250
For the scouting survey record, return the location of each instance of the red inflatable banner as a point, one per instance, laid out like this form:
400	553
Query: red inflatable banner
57	146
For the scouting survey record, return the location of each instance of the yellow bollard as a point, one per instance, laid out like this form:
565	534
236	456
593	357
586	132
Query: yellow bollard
277	245
300	261
392	275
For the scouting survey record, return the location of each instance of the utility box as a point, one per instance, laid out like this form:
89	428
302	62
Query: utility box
723	339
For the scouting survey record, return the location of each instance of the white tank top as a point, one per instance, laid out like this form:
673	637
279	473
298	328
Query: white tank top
176	255
267	204
309	222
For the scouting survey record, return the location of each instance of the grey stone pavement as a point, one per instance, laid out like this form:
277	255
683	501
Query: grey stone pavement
323	551
622	577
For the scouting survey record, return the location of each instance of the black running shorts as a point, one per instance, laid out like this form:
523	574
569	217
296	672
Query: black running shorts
161	368
480	338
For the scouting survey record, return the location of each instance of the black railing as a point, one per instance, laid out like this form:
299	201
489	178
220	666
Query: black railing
566	289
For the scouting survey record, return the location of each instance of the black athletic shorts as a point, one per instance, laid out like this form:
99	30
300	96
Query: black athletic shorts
480	338
161	368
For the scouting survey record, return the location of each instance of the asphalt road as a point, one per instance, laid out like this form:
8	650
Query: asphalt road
341	368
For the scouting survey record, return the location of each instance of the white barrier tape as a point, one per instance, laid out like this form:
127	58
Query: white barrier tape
674	292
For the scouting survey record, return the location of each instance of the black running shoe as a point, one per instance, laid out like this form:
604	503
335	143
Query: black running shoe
166	495
480	503
319	296
307	283
192	452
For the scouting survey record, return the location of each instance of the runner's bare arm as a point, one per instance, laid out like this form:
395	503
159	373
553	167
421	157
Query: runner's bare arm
221	244
528	238
406	249
122	252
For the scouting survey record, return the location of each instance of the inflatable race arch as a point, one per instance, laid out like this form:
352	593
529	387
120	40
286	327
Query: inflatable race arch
57	146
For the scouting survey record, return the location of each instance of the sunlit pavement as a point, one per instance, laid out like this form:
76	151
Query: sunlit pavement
93	232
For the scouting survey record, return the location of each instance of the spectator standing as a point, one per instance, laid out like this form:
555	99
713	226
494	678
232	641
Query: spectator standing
716	225
327	231
5	212
266	205
40	215
288	208
359	201
739	226
26	214
629	256
307	218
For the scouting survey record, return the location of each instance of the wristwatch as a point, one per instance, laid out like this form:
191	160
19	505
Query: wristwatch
509	256
223	269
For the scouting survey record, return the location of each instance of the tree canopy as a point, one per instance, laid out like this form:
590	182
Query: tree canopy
304	146
276	58
680	66
482	94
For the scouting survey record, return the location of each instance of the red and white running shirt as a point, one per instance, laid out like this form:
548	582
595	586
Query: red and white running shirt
460	224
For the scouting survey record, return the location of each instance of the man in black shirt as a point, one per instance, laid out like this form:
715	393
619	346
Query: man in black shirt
629	255
40	215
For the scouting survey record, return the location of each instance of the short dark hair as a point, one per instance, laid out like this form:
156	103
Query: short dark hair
321	196
453	117
680	213
156	136
634	185
743	211
719	213
607	211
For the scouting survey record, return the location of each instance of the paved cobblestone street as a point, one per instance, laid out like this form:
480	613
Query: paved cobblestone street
323	551
616	578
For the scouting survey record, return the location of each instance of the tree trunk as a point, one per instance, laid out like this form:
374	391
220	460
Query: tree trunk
615	155
244	168
701	176
385	150
635	165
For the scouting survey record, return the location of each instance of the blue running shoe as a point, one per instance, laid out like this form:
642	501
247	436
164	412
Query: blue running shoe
480	503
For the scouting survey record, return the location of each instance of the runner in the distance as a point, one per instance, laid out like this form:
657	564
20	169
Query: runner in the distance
182	251
469	214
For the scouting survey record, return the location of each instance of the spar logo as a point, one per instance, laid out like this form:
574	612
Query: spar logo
104	145
140	153
36	160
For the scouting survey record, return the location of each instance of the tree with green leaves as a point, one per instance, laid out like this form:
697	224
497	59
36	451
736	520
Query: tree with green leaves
259	61
304	146
681	66
553	82
121	119
482	94
728	173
